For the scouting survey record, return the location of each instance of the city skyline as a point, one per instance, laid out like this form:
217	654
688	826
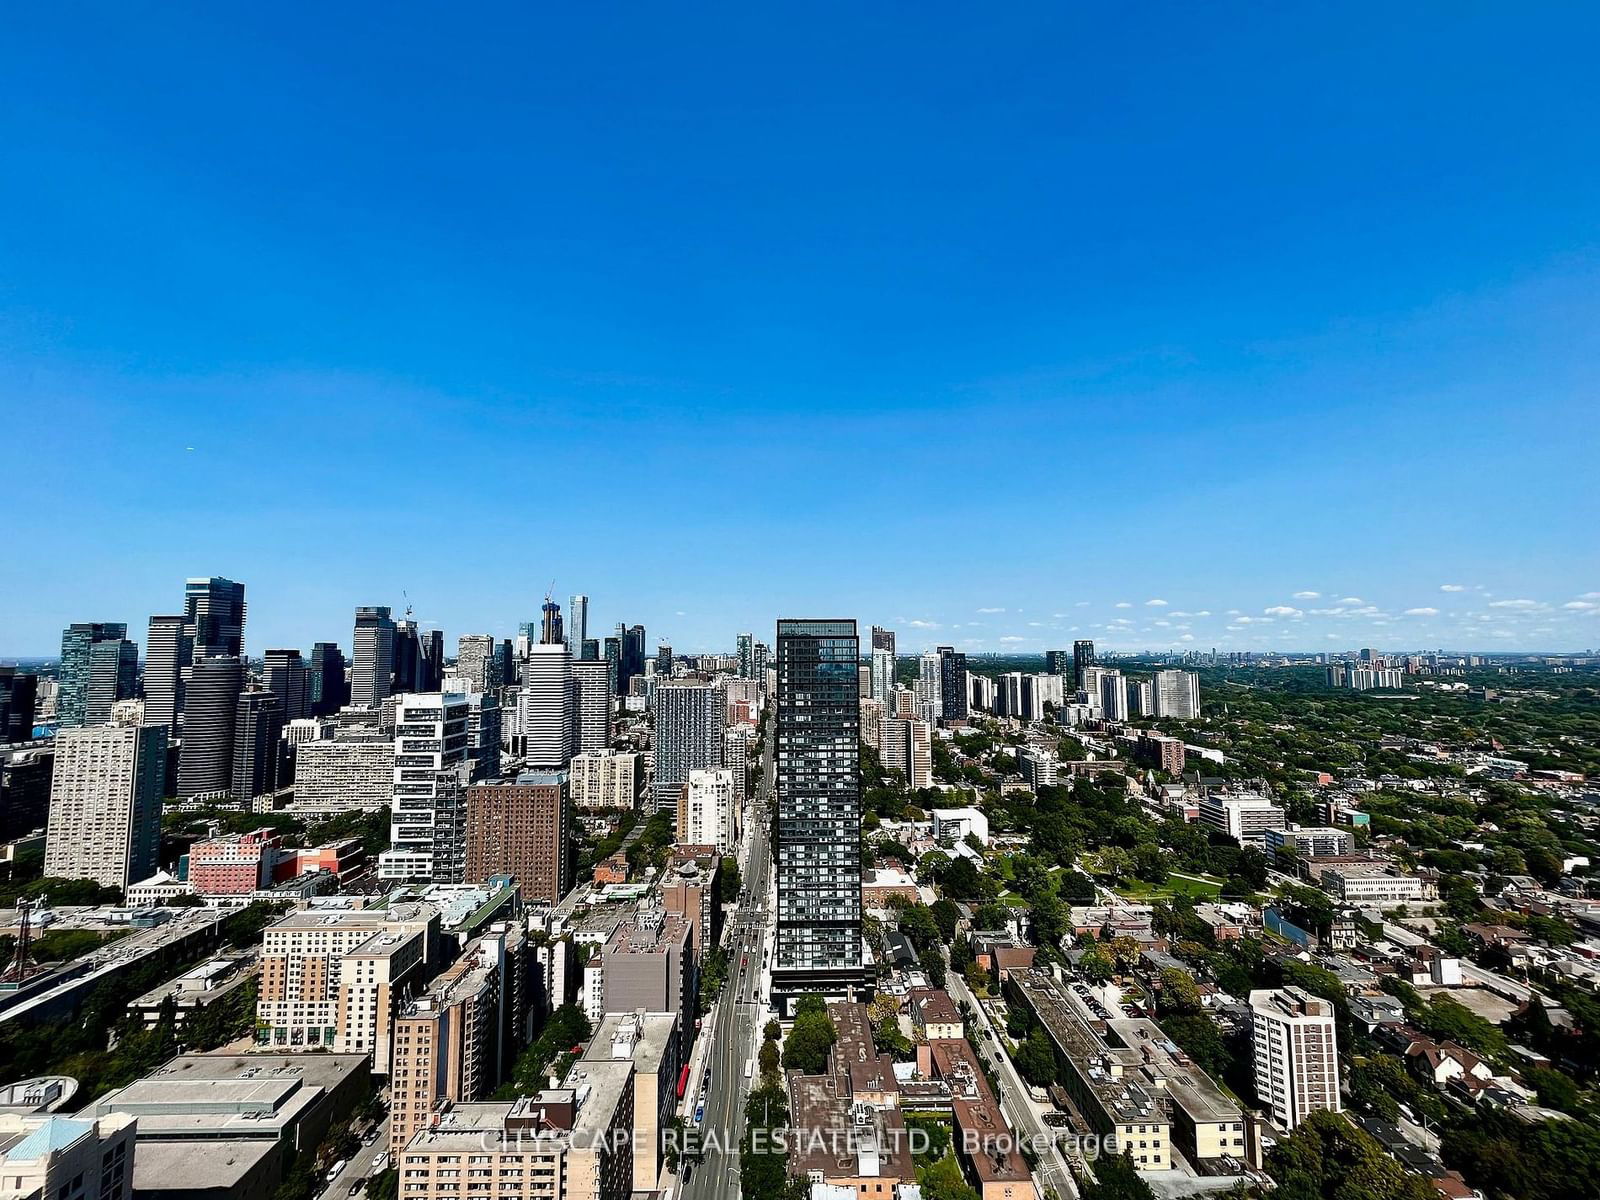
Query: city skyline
1459	617
1311	356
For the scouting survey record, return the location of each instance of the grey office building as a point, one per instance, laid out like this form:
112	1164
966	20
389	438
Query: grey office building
478	662
372	673
577	626
211	712
327	689
1082	656
883	639
98	666
1059	662
819	946
213	619
19	696
285	675
257	745
952	684
591	708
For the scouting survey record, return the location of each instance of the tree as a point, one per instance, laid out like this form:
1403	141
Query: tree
1095	966
962	880
1178	991
1328	1156
945	915
1036	1058
918	924
943	1181
768	1058
813	1035
931	960
1116	1178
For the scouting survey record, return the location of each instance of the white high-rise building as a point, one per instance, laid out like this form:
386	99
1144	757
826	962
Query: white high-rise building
606	779
427	819
688	735
907	746
930	687
1113	696
1141	698
1296	1054
105	802
1177	695
882	675
591	718
708	812
736	744
546	707
980	692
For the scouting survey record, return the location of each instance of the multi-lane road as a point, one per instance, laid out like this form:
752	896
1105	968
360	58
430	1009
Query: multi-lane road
735	1028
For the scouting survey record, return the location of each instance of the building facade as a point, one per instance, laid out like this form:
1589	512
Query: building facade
819	946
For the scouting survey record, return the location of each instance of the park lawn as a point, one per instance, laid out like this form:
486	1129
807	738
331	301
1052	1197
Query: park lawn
1176	885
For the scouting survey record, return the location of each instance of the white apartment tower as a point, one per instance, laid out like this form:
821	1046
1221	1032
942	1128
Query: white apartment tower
1177	695
708	813
546	707
591	717
105	802
427	820
1296	1053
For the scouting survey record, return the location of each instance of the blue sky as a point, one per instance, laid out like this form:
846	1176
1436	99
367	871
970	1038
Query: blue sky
914	314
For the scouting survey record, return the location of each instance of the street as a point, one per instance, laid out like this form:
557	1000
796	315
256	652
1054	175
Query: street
361	1165
735	1029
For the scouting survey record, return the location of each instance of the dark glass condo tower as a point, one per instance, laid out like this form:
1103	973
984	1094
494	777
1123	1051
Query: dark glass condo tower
819	946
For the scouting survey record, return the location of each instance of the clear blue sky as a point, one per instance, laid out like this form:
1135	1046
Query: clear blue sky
720	313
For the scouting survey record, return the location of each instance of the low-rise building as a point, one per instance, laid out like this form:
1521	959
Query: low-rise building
1105	1084
50	1157
570	1143
650	1042
1377	886
230	1126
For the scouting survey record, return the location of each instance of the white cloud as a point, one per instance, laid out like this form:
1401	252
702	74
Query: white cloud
1282	610
1251	621
680	613
1523	604
1233	612
1422	612
1452	587
1204	612
1155	603
1081	604
1352	600
1188	637
1035	624
1579	605
1013	638
1161	624
991	610
1123	604
923	624
1590	596
1308	595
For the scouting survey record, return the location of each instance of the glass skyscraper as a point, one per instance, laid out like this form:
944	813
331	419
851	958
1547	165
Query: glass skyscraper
819	946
